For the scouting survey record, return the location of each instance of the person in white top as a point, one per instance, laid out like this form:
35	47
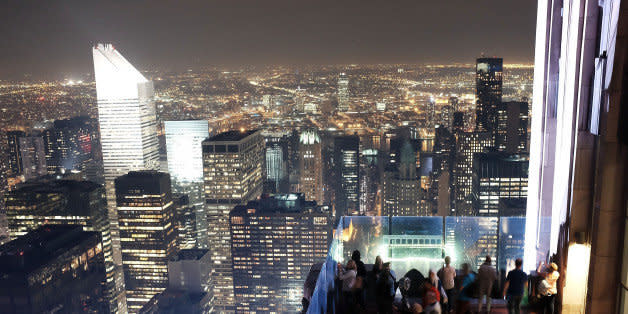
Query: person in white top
547	289
348	276
447	275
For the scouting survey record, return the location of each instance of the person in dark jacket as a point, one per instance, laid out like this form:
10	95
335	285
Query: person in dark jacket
360	280
356	258
386	290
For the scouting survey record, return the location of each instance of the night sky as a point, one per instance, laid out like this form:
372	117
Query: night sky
53	38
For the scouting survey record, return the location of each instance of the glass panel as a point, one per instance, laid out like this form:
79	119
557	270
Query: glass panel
470	240
511	239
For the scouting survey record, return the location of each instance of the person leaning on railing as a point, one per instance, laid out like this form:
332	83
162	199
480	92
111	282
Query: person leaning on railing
547	289
348	277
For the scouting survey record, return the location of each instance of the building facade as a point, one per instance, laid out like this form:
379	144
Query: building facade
185	165
275	241
148	237
311	166
232	169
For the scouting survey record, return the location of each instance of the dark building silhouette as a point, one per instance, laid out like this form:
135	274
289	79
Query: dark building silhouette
488	84
512	127
53	269
347	174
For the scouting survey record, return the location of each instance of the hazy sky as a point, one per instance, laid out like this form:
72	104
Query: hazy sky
54	37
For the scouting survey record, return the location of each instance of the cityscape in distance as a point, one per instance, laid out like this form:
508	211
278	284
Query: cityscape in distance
486	183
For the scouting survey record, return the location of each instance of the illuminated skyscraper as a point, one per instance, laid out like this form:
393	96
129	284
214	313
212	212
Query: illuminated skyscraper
232	169
276	165
488	84
402	187
128	123
430	115
185	165
347	174
447	113
147	233
275	241
468	144
310	166
343	92
499	179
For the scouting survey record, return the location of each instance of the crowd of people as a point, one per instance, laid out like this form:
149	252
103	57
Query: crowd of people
444	291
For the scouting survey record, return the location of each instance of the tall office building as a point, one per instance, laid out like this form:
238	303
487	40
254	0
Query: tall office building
488	84
512	127
128	123
232	165
53	269
311	166
147	233
369	182
430	115
499	181
185	165
457	124
447	115
402	187
347	174
299	99
13	145
60	202
185	221
275	241
32	156
468	143
69	144
276	166
343	92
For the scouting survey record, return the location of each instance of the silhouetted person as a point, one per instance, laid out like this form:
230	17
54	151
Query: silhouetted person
447	275
348	276
465	294
386	290
486	277
516	283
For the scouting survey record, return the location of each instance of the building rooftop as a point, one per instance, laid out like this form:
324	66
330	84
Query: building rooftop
39	246
278	203
56	186
231	136
190	255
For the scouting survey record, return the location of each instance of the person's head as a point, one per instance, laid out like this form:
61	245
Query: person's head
417	308
466	269
351	265
487	260
386	266
378	262
447	260
356	255
553	267
518	263
432	274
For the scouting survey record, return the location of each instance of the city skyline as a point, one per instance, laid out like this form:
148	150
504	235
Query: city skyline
245	152
200	34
